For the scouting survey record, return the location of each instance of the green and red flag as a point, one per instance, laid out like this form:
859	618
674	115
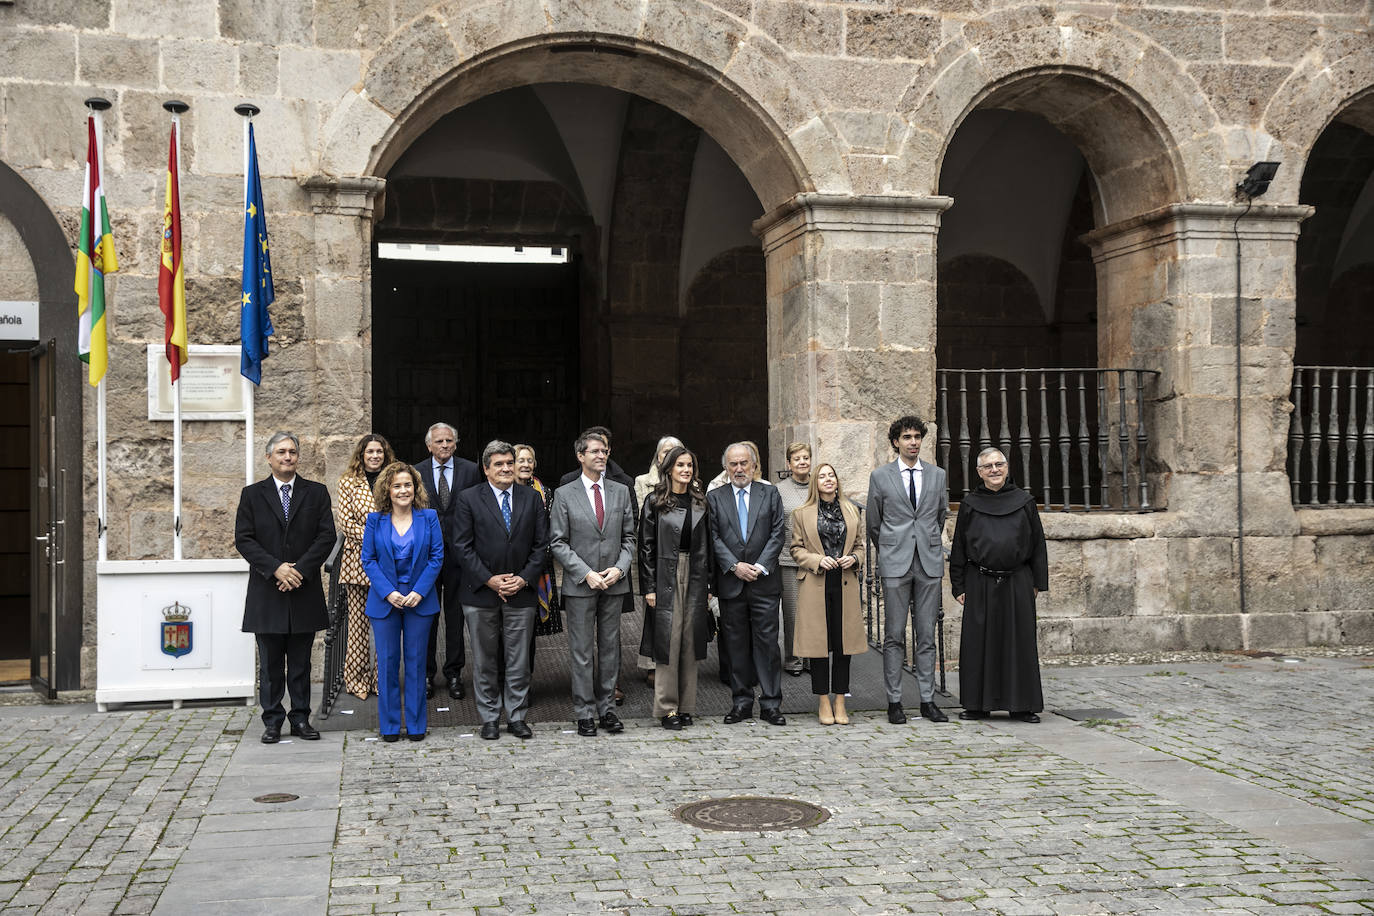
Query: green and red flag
171	280
95	258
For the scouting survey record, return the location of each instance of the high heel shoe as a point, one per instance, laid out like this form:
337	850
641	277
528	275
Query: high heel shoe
841	716
825	714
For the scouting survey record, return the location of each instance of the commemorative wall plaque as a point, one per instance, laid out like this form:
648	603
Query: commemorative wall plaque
211	387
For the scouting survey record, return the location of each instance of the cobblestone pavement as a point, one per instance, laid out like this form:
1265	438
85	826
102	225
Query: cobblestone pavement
996	817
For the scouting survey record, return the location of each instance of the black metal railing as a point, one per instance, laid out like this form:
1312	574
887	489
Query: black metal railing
336	636
1331	436
1074	438
871	593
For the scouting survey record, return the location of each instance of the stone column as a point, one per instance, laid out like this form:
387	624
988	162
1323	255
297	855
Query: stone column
339	312
851	323
1167	301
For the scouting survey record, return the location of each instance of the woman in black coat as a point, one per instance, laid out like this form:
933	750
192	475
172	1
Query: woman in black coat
998	564
674	574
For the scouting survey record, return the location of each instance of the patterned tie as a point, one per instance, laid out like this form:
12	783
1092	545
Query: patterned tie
600	507
505	508
443	487
911	486
286	500
743	516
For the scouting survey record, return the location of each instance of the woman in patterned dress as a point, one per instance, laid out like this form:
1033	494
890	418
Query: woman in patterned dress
355	502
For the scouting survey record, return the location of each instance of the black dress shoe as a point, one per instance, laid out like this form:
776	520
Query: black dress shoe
429	691
520	729
271	734
895	714
1026	717
773	716
672	723
686	718
586	728
974	714
418	736
305	731
611	722
455	689
739	714
391	739
933	712
491	731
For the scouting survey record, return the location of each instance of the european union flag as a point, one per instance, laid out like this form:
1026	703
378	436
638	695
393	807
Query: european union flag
255	326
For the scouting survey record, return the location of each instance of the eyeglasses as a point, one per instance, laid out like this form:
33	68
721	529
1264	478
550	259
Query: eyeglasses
992	464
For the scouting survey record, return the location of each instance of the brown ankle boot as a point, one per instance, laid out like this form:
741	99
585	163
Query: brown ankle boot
841	717
826	716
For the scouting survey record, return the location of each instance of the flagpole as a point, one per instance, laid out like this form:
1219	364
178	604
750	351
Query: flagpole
247	111
176	107
96	106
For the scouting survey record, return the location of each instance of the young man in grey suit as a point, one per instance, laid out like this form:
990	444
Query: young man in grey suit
747	534
907	506
592	535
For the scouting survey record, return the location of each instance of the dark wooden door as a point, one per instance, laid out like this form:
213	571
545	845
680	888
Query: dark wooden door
48	526
490	348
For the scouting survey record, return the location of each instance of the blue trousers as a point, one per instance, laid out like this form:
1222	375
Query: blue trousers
402	634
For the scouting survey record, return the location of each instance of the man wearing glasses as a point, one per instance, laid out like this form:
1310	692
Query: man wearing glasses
907	507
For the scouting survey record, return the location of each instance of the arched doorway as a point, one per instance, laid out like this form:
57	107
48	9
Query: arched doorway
1037	163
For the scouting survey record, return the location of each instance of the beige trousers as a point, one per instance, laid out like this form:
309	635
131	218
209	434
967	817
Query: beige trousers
675	684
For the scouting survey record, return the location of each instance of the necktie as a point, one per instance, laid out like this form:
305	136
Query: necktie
743	516
600	506
443	487
286	500
911	487
505	508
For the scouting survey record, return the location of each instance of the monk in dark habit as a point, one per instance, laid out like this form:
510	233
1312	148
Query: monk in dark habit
997	565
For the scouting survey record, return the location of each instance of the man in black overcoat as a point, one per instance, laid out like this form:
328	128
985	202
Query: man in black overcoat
444	475
285	530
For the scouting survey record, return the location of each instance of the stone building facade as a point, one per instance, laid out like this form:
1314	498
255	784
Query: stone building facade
756	195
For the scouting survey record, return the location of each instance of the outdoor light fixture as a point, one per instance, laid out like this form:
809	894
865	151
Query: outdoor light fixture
1257	179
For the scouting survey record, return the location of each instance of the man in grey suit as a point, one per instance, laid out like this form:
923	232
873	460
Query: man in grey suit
747	534
907	506
592	535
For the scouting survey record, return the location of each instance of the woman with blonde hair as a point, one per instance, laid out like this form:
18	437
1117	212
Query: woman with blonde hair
828	547
370	455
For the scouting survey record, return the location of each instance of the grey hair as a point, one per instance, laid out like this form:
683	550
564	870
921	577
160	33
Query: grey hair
278	437
988	451
589	436
496	447
747	446
429	434
666	440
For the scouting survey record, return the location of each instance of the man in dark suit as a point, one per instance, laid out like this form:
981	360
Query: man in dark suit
444	475
501	538
592	535
747	534
285	530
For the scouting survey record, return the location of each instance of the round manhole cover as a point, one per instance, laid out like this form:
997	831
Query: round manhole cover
276	798
751	813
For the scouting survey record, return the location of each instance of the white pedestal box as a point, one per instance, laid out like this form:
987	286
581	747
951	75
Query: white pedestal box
169	630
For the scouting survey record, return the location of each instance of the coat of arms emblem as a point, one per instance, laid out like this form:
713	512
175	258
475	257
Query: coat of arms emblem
176	630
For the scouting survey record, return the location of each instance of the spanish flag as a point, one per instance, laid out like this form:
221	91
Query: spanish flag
171	281
95	258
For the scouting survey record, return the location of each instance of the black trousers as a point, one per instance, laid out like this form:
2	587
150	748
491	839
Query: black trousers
750	625
831	675
454	625
284	667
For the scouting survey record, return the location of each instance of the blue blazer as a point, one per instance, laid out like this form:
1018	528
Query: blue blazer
379	561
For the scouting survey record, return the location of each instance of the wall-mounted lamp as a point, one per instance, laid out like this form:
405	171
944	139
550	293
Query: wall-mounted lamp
1257	180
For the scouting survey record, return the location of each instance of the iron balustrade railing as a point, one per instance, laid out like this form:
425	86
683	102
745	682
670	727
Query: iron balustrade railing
1074	438
336	635
1331	436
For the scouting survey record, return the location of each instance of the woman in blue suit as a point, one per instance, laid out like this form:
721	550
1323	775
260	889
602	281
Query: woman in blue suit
403	551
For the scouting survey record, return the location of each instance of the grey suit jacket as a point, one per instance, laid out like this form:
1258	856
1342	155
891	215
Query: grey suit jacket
902	535
580	546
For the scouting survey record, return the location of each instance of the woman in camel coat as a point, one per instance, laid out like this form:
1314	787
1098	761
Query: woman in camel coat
828	546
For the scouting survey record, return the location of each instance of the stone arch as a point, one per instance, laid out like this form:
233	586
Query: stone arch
1096	73
1316	94
736	84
